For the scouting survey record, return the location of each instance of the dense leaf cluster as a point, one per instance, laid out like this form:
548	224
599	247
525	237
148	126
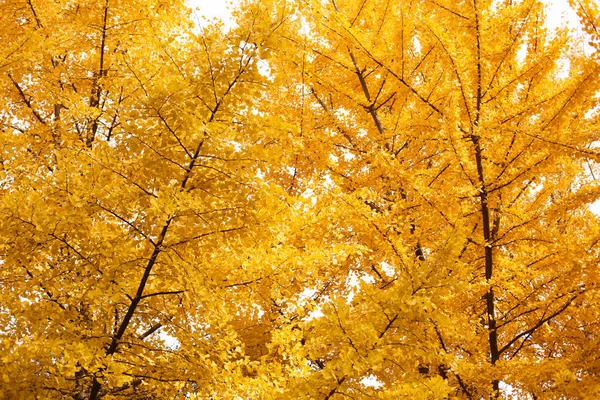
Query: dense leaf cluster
331	199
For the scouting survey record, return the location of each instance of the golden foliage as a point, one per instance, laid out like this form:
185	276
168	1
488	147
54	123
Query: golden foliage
361	199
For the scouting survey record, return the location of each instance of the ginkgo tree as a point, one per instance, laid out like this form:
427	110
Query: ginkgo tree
361	199
129	197
457	141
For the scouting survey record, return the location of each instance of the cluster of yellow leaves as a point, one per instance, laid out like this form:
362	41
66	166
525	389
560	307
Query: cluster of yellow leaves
357	199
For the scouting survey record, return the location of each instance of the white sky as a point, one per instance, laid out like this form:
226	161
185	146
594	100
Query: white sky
210	9
558	12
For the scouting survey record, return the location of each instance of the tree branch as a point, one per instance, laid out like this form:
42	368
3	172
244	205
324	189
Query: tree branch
26	100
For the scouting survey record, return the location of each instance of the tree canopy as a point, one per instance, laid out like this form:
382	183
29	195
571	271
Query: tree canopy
330	199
